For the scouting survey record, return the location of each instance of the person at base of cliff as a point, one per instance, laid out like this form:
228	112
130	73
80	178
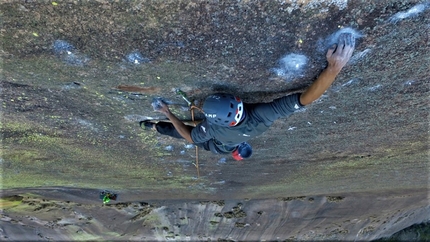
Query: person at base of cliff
229	122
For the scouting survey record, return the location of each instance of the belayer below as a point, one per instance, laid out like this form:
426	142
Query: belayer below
106	196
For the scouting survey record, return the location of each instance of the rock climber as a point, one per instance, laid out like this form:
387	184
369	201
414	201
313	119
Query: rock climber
229	122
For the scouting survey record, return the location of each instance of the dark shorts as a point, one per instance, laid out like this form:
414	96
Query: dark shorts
212	145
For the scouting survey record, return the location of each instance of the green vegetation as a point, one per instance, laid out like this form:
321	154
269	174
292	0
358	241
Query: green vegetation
315	177
10	202
38	157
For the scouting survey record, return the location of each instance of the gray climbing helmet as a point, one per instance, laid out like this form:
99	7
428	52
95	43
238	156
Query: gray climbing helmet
223	109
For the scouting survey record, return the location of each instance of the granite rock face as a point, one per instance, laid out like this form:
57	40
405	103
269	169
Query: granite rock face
77	77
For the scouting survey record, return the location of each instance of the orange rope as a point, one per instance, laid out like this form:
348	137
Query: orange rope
195	107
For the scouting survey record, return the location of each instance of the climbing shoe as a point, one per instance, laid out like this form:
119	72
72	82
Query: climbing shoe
146	125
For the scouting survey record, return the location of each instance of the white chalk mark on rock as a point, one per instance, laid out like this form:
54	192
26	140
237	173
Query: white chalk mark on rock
346	84
69	54
291	66
301	110
321	99
374	88
409	83
350	82
410	13
359	55
136	58
323	45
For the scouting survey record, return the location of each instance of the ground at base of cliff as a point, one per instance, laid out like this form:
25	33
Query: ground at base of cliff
79	214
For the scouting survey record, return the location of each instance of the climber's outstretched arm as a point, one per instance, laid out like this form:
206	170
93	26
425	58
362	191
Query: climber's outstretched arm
337	56
183	130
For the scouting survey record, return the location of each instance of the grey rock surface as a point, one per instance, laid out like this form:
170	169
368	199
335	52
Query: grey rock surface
78	76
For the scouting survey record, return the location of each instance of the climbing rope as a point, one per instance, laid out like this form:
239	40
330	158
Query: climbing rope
192	108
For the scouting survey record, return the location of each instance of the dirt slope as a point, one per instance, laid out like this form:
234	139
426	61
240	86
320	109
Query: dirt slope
354	216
